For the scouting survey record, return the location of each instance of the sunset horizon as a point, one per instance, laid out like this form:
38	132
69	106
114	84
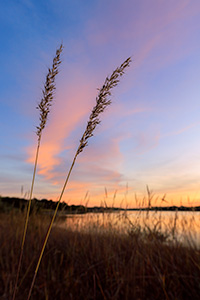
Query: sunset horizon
147	136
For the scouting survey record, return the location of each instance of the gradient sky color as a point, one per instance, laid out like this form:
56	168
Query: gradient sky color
150	135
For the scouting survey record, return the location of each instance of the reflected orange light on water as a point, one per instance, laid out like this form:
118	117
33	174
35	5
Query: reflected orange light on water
170	225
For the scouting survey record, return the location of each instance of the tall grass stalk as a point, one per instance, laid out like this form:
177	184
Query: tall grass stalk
44	108
102	102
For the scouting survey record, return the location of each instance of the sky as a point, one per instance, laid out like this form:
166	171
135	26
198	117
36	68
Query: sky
148	136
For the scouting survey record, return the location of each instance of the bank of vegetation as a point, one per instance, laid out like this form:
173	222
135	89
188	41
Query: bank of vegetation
45	206
95	264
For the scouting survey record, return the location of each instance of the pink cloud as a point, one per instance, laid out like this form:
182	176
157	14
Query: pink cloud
72	105
74	100
95	168
71	108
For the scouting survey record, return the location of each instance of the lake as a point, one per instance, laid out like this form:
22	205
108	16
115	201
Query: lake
183	226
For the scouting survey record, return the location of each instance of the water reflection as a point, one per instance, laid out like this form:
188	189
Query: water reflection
181	226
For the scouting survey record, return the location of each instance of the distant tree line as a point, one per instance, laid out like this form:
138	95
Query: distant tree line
9	203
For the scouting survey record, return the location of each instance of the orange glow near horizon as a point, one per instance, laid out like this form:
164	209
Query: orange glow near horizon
124	198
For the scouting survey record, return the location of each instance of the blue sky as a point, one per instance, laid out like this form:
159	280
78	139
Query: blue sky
150	133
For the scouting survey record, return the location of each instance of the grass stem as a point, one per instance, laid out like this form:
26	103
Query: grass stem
44	107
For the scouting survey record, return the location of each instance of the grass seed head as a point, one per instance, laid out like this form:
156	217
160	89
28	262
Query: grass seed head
48	92
102	102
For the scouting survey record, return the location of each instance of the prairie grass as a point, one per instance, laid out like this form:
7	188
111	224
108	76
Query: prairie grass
95	263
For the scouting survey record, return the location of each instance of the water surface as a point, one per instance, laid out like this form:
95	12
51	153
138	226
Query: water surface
182	225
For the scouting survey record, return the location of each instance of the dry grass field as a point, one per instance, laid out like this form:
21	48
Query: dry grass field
94	264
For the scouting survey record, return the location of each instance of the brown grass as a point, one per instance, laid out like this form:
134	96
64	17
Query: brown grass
96	264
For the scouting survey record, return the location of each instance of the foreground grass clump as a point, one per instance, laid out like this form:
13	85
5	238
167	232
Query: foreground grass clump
91	265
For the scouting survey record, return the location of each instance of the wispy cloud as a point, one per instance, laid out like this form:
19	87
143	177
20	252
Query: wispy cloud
75	100
72	105
181	130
